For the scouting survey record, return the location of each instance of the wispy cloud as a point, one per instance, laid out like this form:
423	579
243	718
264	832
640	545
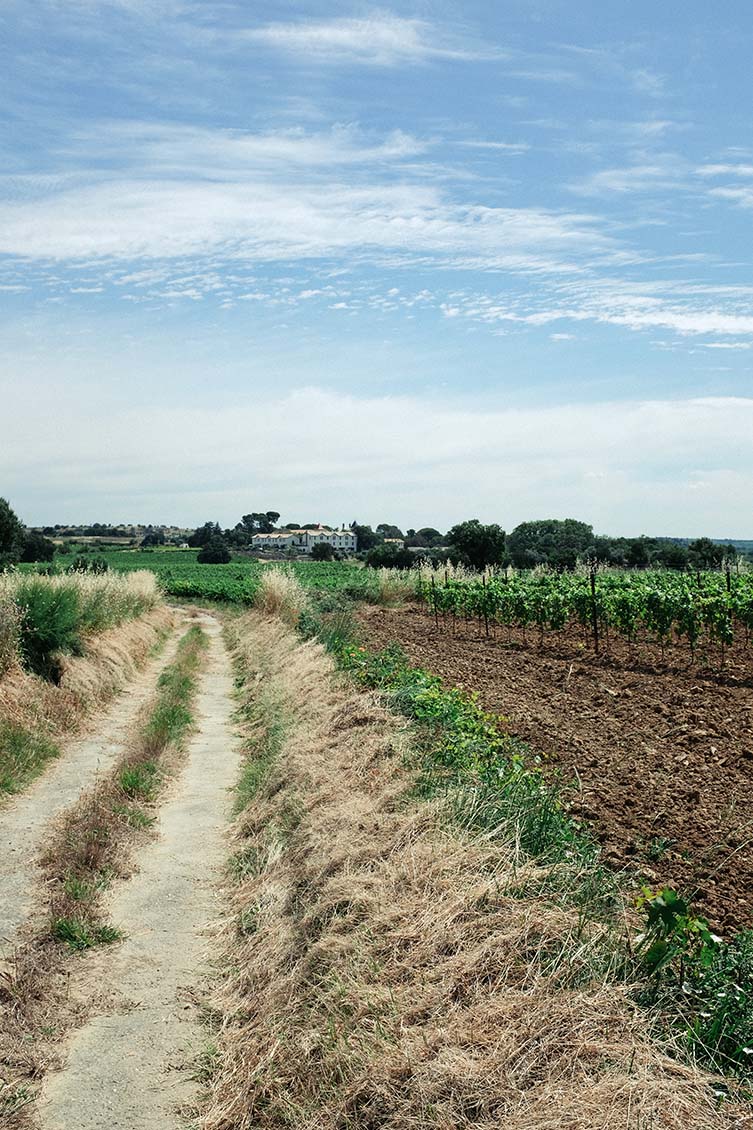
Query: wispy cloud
268	220
498	146
381	39
743	196
725	171
194	151
159	191
663	174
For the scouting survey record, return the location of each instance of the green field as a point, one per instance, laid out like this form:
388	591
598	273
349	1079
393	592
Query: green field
179	574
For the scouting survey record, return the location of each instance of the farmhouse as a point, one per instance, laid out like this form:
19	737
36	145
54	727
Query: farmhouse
303	541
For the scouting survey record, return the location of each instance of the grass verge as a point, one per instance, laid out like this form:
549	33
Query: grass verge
698	987
386	966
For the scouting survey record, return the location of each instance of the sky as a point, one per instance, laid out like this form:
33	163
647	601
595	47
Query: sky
410	263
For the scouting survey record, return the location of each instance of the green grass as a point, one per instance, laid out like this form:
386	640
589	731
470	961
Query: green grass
23	756
56	614
141	780
82	934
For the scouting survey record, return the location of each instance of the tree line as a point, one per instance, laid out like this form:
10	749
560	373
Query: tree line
555	543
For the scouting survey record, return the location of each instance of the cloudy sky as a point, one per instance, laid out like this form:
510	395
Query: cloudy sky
413	263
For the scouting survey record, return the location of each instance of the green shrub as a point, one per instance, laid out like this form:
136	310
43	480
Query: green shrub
96	565
215	552
51	623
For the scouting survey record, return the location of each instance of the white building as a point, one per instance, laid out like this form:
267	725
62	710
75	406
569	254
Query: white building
303	541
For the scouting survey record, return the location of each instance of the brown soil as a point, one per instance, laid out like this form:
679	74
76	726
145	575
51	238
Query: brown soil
654	753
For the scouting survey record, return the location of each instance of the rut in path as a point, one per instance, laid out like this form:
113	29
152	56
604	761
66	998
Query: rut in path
129	1068
25	821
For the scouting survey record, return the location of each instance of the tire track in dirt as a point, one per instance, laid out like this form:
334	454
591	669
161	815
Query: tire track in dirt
130	1067
25	821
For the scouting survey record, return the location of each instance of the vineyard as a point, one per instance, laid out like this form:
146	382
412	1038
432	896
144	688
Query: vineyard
703	612
700	609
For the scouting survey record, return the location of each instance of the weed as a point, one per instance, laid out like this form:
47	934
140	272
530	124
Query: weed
80	934
704	983
23	754
140	780
13	1099
133	816
245	863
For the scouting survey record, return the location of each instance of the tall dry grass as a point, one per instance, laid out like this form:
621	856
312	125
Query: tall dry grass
280	593
382	969
10	634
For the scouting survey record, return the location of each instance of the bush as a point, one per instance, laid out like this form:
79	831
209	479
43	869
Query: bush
36	547
51	621
96	565
323	551
390	557
215	552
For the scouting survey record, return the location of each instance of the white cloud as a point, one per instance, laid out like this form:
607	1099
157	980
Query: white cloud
675	467
741	196
381	39
193	151
261	217
725	170
498	146
632	178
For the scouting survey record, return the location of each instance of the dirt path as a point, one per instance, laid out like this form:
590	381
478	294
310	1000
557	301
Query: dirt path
130	1066
25	821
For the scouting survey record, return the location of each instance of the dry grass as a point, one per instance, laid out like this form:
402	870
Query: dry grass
31	705
280	593
382	970
393	585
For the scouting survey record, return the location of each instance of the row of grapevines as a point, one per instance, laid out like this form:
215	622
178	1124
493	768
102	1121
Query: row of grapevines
660	604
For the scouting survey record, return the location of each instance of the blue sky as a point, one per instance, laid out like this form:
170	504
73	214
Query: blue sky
409	263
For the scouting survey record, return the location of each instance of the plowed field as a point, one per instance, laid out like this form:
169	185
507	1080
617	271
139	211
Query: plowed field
654	753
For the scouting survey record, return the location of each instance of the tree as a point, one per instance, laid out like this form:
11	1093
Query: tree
431	536
154	537
638	553
215	552
322	551
706	554
478	545
11	535
551	541
257	522
385	530
365	537
37	547
672	555
204	534
390	557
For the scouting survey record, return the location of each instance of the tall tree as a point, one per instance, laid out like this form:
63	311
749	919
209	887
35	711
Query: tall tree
11	535
476	544
204	534
551	541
